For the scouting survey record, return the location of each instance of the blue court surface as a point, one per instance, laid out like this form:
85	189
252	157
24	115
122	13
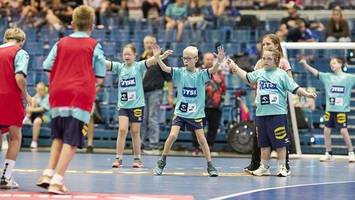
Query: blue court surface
90	177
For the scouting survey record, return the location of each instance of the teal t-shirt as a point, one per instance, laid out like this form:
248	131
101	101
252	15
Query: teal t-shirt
272	87
44	103
21	59
338	90
190	92
130	84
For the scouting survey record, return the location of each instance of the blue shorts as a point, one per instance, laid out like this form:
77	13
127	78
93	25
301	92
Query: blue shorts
134	114
336	120
271	131
69	129
189	124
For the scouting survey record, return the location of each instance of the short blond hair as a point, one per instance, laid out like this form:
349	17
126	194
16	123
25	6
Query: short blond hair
14	34
149	37
83	18
276	53
192	50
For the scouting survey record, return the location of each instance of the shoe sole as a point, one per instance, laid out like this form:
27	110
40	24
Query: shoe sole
213	175
137	166
281	175
55	191
248	171
268	174
5	187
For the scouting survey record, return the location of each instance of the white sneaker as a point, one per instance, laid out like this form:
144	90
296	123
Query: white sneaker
262	171
351	157
34	145
326	158
283	172
8	183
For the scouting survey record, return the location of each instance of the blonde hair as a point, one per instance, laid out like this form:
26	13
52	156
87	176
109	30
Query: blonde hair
274	39
149	37
276	53
83	18
14	34
130	46
191	49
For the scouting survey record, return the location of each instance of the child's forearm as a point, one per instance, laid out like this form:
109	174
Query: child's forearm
162	65
302	92
21	83
241	73
312	70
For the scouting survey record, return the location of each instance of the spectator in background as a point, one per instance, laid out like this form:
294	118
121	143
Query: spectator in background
107	9
219	6
301	33
175	16
293	16
151	9
266	4
338	28
215	91
38	112
153	83
196	18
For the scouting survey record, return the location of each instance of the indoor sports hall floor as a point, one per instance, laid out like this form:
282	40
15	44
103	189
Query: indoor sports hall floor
91	177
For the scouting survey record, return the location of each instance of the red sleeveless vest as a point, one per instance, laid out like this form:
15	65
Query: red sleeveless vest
72	79
12	110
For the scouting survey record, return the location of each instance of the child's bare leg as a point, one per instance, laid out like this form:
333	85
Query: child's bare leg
347	139
171	139
122	134
327	139
200	135
136	139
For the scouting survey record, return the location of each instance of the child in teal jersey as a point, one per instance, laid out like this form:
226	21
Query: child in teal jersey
271	102
189	110
130	101
338	92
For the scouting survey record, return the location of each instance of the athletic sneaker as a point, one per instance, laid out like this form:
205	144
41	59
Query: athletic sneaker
282	172
262	171
117	163
44	181
137	163
212	171
8	183
326	157
351	157
34	145
251	167
273	154
57	189
158	169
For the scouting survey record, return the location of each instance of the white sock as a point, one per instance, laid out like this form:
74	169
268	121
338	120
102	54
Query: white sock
8	167
48	172
137	157
57	179
119	157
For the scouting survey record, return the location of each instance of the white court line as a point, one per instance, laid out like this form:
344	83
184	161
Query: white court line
276	188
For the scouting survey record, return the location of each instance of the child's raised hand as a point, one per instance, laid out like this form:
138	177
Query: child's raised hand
303	61
232	65
166	54
220	54
156	50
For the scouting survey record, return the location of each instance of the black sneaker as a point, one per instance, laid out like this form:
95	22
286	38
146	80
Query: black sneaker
251	167
212	171
89	149
158	169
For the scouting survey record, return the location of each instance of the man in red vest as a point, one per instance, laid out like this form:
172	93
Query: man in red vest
75	64
13	93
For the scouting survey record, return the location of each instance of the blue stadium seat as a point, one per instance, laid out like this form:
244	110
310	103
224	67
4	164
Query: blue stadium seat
36	62
207	47
241	35
99	34
34	48
110	48
178	47
117	35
